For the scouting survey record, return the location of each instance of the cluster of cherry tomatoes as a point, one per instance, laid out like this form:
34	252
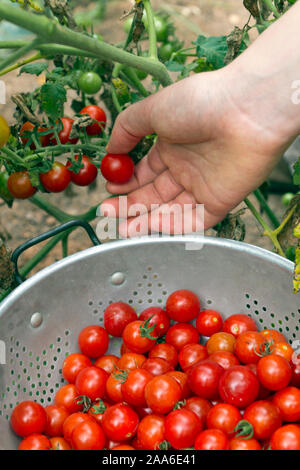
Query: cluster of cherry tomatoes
166	390
115	168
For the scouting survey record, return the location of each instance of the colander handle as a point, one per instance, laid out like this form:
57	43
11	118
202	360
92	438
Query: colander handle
51	233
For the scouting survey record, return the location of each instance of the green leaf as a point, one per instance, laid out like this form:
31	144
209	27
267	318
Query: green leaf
34	69
213	48
296	176
53	97
174	66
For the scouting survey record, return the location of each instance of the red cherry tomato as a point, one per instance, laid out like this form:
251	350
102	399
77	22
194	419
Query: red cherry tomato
181	428
239	323
59	443
131	361
181	334
200	407
224	358
203	379
86	175
151	432
265	418
116	316
190	354
159	318
247	347
73	364
209	322
133	389
239	386
71	422
162	393
270	334
165	351
114	389
239	443
183	305
120	422
66	396
181	378
221	341
88	435
91	382
93	341
211	439
56	416
28	127
157	366
35	442
57	179
107	362
274	372
28	417
117	168
96	113
286	438
64	134
224	417
138	336
288	402
19	185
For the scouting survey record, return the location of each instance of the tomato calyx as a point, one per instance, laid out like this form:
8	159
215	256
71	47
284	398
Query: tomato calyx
244	429
121	375
85	401
98	408
146	330
160	340
164	445
180	404
265	348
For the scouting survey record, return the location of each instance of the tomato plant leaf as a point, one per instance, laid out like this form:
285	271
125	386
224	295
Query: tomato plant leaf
296	176
34	69
213	48
53	97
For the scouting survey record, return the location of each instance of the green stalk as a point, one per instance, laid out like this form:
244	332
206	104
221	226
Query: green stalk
15	56
49	31
265	206
151	30
48	207
135	81
33	58
272	7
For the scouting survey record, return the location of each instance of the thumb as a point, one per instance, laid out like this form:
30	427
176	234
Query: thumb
131	125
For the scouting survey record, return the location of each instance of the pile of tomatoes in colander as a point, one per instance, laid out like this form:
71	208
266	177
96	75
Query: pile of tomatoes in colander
237	388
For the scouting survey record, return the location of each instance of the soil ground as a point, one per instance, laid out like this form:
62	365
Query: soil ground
210	17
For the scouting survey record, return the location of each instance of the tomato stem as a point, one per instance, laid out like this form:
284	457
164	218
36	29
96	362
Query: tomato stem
151	30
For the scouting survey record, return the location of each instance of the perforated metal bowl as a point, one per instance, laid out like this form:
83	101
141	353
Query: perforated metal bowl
40	320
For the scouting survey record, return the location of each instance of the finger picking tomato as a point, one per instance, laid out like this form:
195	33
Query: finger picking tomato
117	168
57	179
183	305
28	417
19	185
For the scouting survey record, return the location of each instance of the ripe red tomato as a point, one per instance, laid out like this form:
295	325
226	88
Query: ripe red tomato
224	358
190	354
274	372
181	428
28	127
66	396
288	402
239	386
56	416
97	410
183	305
116	316
96	113
73	364
64	134
59	443
133	389
162	393
19	185
93	341
181	378
114	389
263	392
71	422
239	323
200	407
265	418
283	349
220	342
120	422
35	442
151	432
57	179
91	382
181	334
224	417
211	439
159	318
165	351
88	435
203	379
131	361
138	336
117	168
247	347
157	366
240	443
286	438
295	366
28	417
209	322
123	447
86	175
107	363
269	334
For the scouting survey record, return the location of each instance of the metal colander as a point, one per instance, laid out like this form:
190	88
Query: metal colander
41	319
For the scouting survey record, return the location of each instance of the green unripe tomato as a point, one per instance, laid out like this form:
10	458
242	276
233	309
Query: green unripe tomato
90	82
287	198
4	191
165	51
